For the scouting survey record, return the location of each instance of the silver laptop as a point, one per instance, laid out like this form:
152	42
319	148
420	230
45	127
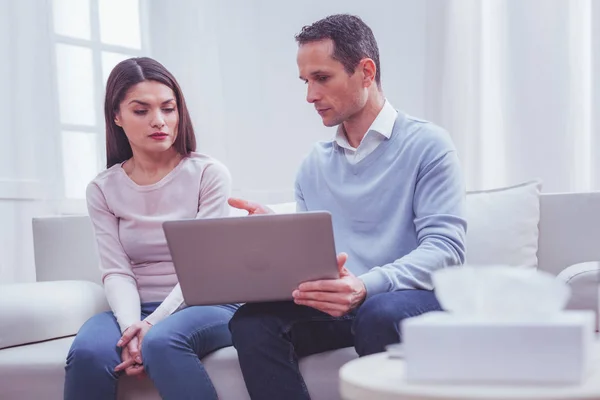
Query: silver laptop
250	258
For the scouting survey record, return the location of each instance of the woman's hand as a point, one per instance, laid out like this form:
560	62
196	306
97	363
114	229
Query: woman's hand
139	330
129	364
131	342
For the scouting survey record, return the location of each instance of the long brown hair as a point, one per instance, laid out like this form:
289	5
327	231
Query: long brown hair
125	75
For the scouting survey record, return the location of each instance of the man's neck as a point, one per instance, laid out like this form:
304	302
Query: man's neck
356	126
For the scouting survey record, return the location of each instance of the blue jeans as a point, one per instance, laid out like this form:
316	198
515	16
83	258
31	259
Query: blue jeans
171	351
271	337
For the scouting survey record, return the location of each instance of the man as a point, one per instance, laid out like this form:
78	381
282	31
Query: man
394	187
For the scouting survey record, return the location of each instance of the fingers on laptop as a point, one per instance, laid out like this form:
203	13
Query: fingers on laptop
251	207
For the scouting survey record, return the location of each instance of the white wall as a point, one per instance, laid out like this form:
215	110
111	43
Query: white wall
515	82
236	62
27	106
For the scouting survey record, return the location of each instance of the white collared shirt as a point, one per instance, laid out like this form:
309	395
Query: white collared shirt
380	130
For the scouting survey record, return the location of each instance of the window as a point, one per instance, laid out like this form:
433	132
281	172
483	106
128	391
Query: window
91	37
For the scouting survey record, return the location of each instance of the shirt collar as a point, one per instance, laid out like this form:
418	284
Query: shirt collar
383	125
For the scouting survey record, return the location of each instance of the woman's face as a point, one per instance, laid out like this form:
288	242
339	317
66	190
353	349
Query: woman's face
148	114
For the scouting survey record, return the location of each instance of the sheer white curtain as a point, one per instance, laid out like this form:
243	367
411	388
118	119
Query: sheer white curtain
517	82
56	56
28	162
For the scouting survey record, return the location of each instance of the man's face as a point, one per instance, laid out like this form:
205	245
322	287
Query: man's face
337	96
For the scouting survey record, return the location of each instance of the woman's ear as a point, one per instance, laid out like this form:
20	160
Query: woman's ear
117	120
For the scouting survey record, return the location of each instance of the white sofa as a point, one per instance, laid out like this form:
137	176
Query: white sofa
38	321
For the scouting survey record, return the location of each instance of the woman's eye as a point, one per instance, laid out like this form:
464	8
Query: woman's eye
168	110
140	112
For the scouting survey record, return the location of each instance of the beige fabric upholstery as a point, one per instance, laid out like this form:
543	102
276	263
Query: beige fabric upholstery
32	312
569	231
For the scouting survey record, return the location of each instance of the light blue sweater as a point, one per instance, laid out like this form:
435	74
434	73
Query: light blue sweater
398	213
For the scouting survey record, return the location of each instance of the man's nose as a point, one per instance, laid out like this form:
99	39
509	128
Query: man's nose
312	94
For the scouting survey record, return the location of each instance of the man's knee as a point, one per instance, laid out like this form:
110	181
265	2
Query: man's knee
377	314
378	320
254	323
248	321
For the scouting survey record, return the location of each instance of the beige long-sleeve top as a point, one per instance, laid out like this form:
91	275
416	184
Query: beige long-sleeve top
135	260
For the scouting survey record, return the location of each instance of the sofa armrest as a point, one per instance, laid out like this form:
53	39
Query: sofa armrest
65	249
38	311
585	283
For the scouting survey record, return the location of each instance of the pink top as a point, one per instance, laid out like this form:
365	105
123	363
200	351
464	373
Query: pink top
127	218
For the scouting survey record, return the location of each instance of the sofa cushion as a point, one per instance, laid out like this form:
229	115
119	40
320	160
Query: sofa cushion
44	364
34	371
503	225
37	311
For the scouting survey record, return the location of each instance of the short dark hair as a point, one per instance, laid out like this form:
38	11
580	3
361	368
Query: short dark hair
352	39
126	74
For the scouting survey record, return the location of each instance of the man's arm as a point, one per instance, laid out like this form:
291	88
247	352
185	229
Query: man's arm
439	219
300	204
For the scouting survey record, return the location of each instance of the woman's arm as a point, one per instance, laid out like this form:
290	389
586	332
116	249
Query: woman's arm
119	281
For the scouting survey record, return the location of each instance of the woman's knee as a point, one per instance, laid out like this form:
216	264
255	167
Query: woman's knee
90	357
90	353
197	330
157	343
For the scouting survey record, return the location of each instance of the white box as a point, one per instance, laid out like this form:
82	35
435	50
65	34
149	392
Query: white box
445	348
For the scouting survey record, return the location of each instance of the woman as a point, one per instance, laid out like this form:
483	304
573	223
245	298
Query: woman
153	174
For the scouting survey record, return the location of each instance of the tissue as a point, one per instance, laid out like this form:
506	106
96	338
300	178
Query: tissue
501	325
500	292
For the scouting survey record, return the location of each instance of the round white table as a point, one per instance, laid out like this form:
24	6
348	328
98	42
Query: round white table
380	377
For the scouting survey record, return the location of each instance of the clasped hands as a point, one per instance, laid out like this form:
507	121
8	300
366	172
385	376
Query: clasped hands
131	349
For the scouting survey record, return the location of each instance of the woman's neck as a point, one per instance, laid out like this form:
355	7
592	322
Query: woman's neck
145	169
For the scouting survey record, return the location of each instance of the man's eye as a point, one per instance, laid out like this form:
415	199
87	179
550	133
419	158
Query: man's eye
322	78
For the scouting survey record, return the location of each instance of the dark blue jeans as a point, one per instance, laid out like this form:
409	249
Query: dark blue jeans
271	337
171	352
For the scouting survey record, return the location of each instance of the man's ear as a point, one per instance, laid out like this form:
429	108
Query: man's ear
369	71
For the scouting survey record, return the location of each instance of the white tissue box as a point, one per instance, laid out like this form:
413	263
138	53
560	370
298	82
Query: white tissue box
445	348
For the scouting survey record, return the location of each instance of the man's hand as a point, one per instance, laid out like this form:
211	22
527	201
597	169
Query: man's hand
252	208
336	297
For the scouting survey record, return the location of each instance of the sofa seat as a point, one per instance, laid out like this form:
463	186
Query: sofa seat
569	228
36	371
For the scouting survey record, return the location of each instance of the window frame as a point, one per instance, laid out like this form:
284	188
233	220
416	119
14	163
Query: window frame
65	205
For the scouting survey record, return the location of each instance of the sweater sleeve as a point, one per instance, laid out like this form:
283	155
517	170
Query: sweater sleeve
300	203
215	189
118	279
441	229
